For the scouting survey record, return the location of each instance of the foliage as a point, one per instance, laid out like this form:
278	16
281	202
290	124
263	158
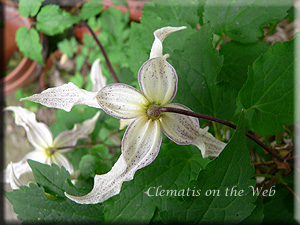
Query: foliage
225	69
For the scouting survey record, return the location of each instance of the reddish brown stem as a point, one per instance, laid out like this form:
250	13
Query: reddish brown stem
218	120
113	74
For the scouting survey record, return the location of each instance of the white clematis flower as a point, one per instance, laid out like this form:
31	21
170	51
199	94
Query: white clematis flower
68	95
143	137
40	136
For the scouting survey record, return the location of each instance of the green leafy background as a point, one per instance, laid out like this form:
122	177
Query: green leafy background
246	82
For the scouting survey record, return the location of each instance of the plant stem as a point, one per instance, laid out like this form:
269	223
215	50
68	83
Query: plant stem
82	146
113	74
219	40
218	120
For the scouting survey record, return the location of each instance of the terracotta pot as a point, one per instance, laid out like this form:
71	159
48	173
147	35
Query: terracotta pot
28	70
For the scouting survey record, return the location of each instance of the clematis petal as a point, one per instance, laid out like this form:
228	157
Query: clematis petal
141	142
160	35
60	160
14	182
105	185
122	101
70	137
22	166
140	147
65	97
97	78
124	123
208	144
158	81
181	129
38	133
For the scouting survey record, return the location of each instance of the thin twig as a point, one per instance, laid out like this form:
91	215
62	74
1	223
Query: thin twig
218	120
82	146
113	74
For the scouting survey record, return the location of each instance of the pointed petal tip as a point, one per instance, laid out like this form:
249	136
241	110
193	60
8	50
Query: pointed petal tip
77	199
160	35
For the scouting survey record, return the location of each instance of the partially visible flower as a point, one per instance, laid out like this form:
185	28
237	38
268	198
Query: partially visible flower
40	136
140	110
67	95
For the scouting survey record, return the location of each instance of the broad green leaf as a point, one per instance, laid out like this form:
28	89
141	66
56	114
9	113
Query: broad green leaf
223	191
268	94
174	167
53	179
242	20
158	14
53	20
29	7
237	58
33	206
197	66
257	214
90	9
29	44
279	208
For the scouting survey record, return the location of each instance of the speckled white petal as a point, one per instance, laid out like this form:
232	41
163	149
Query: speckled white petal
64	97
181	129
140	147
105	185
158	81
124	123
141	142
122	101
208	144
38	133
97	78
160	35
70	137
14	182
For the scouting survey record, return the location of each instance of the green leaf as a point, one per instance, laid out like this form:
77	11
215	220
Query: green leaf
90	9
223	191
77	79
268	94
174	167
29	44
237	58
242	20
257	214
279	207
53	179
197	66
80	59
156	15
29	7
68	47
52	20
32	206
97	162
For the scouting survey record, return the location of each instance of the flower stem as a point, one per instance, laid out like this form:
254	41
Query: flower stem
81	146
218	120
113	74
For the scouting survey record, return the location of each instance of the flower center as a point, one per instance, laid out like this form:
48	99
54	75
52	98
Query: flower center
153	112
49	152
